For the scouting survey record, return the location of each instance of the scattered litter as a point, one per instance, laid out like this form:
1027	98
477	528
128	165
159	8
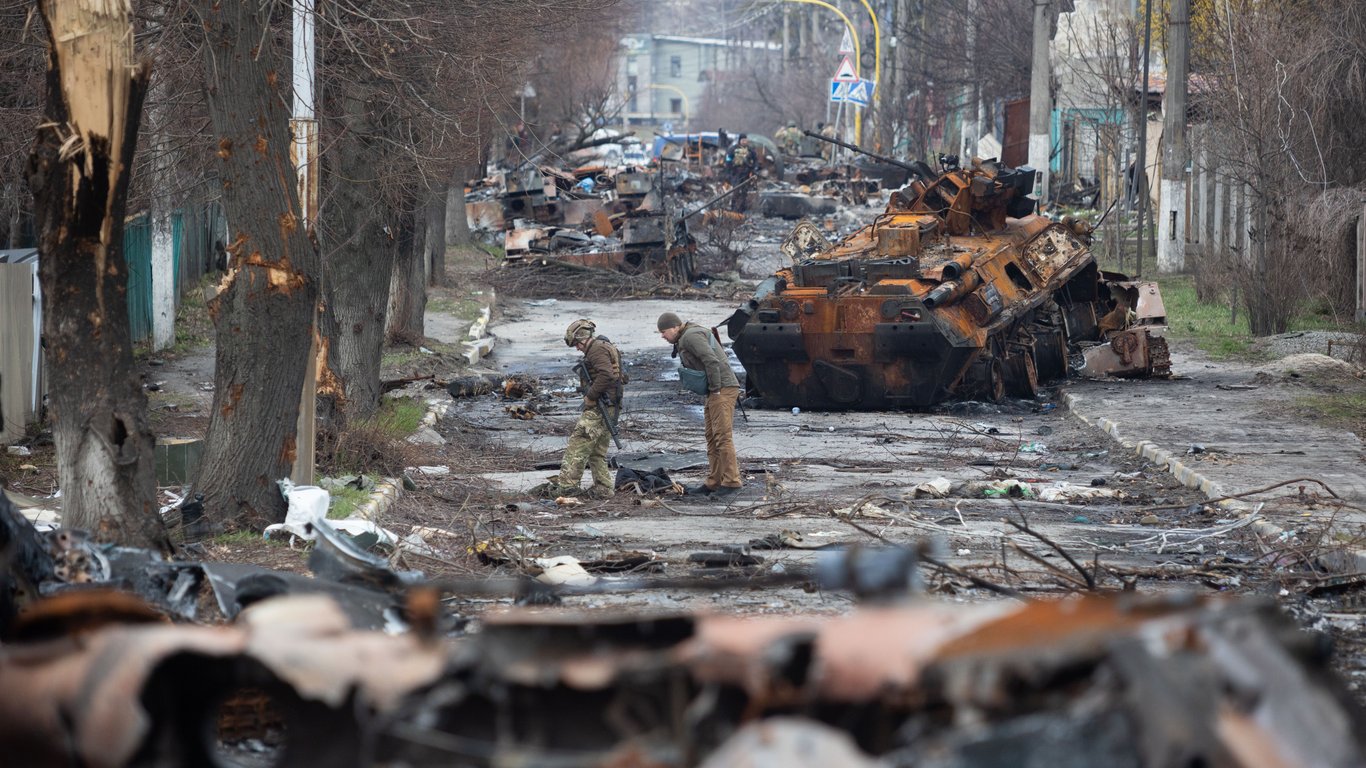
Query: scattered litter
564	569
727	557
1081	519
1150	520
1044	429
937	488
523	412
1034	448
964	552
589	531
432	471
1068	492
863	510
1009	488
18	450
568	501
1195	448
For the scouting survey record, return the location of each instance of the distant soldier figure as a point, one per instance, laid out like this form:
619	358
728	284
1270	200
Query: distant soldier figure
827	149
741	163
700	352
790	138
602	383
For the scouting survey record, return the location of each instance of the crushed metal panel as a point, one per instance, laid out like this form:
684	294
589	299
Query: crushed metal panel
804	242
1132	353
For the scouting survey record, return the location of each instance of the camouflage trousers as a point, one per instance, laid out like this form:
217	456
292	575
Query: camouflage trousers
588	447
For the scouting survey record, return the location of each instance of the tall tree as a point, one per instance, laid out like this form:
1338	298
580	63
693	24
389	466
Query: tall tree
79	171
264	309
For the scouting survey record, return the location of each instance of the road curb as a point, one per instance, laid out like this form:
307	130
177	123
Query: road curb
389	489
1346	561
386	492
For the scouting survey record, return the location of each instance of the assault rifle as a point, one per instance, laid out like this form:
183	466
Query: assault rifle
603	404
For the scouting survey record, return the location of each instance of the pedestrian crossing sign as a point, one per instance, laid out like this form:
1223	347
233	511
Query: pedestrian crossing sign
860	93
838	91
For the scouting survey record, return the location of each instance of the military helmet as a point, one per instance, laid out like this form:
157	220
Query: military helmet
578	330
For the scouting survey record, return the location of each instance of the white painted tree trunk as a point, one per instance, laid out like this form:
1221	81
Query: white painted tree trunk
1361	266
1171	229
163	274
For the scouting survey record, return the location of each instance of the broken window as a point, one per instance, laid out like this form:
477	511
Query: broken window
676	106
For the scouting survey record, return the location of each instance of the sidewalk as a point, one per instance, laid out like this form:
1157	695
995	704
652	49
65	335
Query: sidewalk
1223	429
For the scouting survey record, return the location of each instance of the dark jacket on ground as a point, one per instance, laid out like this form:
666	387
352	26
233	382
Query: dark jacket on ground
603	362
699	351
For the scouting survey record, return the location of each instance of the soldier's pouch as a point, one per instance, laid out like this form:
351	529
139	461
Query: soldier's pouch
693	380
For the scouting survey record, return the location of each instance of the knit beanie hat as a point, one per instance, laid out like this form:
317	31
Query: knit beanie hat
669	320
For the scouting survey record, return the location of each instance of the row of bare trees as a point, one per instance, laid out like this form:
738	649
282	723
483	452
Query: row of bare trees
1283	84
409	93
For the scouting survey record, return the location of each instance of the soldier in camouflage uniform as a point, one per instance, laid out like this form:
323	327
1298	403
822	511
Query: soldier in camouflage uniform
602	383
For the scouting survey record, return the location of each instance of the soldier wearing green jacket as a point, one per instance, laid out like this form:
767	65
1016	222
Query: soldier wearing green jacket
602	384
698	350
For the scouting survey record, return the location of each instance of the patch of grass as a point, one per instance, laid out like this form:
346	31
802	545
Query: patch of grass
496	251
1339	409
345	501
1209	325
399	417
237	538
395	357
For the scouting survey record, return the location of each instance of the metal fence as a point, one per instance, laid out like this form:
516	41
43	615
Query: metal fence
197	236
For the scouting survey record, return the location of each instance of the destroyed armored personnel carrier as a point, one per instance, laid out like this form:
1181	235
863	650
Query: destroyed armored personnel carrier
957	291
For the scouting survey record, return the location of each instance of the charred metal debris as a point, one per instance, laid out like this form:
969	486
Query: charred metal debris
643	219
109	673
958	290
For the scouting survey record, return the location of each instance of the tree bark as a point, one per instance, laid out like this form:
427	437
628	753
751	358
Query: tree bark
79	170
407	292
357	229
457	221
435	259
264	310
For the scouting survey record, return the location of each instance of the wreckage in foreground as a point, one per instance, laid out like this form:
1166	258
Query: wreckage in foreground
1125	681
958	290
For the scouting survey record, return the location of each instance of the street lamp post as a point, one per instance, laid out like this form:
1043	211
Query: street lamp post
853	36
877	67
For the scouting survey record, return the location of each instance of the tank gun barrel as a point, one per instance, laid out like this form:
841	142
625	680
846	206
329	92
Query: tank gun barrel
919	168
718	198
953	290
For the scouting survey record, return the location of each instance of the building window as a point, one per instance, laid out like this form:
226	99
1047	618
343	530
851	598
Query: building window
675	66
631	86
676	106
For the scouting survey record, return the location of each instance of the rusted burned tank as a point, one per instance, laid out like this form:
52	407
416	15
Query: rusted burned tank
958	290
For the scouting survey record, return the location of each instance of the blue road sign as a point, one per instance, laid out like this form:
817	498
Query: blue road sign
860	93
839	91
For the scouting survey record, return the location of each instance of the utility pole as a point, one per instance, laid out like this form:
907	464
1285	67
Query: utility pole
305	126
1040	98
1141	170
1171	230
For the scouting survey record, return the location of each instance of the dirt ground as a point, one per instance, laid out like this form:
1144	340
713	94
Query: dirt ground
1094	512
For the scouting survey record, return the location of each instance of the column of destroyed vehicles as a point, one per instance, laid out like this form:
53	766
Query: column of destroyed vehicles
958	289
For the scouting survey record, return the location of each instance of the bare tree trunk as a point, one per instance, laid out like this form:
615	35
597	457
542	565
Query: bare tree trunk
435	246
357	229
79	171
407	293
457	220
264	312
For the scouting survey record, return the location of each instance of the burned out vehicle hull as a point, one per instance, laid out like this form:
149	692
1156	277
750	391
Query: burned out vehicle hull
957	291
